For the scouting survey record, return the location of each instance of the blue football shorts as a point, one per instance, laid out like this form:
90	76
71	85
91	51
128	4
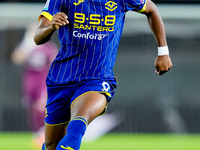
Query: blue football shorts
60	97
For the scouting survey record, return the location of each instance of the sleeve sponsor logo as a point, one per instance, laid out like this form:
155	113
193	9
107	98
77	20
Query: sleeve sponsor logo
46	7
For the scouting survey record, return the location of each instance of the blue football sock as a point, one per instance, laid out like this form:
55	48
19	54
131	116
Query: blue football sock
44	147
75	132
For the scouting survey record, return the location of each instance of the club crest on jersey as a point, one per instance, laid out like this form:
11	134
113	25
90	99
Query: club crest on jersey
77	3
111	5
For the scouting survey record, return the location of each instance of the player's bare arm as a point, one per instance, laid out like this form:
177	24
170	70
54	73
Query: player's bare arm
162	63
46	27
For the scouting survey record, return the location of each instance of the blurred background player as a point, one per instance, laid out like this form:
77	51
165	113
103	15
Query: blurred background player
36	61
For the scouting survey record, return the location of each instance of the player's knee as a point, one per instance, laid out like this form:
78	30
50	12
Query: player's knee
89	106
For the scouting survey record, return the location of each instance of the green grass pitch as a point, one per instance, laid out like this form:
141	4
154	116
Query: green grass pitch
23	141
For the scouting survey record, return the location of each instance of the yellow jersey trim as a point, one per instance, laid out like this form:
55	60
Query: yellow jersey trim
108	94
45	14
144	7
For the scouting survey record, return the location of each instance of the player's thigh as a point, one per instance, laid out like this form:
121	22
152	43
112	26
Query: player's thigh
53	134
89	105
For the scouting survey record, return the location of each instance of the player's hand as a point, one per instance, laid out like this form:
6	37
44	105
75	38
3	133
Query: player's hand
163	64
59	20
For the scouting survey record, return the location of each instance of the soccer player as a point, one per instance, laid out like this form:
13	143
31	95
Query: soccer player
80	82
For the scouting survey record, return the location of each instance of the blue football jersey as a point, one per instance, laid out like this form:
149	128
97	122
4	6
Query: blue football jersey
89	42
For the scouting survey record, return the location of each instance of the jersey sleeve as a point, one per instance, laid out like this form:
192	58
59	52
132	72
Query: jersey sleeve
135	5
51	7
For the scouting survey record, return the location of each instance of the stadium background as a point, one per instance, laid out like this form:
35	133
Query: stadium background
148	103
